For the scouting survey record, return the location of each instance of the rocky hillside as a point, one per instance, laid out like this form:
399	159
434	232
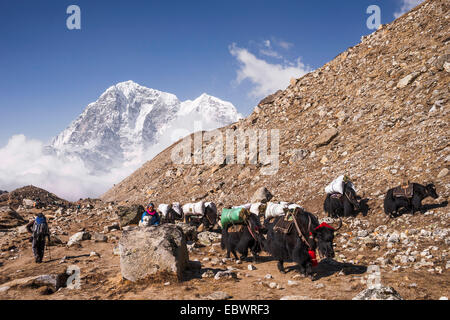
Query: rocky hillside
378	111
15	198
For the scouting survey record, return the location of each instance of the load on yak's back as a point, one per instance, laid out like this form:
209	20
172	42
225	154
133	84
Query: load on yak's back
241	231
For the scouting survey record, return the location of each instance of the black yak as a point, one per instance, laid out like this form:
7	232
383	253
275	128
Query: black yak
409	198
243	237
299	240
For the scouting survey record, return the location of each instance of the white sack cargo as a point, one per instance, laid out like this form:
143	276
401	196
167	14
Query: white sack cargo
194	209
337	186
245	206
294	206
275	210
255	208
177	208
164	209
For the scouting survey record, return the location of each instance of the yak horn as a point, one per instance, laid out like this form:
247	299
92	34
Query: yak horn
340	224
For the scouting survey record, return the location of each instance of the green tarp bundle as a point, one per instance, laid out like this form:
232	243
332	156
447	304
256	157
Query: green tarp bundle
233	216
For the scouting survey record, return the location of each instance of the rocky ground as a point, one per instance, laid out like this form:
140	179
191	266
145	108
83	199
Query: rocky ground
378	112
411	252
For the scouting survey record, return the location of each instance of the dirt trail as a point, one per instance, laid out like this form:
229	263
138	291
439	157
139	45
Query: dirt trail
101	279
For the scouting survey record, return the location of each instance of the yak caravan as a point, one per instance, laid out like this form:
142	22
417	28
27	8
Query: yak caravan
313	172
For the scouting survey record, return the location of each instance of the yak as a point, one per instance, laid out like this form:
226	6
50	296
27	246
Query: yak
208	219
409	198
244	237
338	205
291	244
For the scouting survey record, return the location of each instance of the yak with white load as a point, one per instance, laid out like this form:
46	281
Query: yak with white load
201	213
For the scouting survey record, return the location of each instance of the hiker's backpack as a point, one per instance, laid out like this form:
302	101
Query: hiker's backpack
40	228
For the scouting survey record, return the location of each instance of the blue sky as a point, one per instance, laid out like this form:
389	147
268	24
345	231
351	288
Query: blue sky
48	74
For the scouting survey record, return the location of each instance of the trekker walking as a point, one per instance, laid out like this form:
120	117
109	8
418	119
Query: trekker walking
39	230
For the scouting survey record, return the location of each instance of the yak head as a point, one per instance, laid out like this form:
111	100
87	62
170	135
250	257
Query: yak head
258	230
431	191
323	236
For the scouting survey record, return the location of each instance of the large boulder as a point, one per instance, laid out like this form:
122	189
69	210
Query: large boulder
262	195
9	218
190	232
155	252
129	215
28	204
382	293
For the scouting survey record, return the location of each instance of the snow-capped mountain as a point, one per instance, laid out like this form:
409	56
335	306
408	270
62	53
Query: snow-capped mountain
129	124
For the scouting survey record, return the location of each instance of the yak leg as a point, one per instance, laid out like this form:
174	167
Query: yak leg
416	205
280	266
348	209
234	254
228	252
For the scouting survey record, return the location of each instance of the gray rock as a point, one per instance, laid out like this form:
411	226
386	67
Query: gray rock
208	274
4	289
152	251
261	195
383	293
325	137
218	295
55	281
190	232
295	298
100	237
442	173
407	80
129	215
207	238
78	237
363	233
394	238
228	274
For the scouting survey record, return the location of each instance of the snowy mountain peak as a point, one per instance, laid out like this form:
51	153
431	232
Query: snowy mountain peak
128	120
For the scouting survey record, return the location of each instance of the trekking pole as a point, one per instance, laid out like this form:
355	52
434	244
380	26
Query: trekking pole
49	253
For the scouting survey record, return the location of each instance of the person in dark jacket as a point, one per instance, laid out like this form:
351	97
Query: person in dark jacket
39	230
154	220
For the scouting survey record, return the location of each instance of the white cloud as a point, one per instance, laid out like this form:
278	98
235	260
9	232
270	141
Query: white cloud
284	44
25	161
267	78
406	6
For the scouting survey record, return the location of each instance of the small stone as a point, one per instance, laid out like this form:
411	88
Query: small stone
218	295
251	267
268	276
443	173
208	274
272	285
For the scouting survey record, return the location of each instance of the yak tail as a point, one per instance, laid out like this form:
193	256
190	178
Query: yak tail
224	235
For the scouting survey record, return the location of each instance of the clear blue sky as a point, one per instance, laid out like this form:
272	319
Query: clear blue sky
48	74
